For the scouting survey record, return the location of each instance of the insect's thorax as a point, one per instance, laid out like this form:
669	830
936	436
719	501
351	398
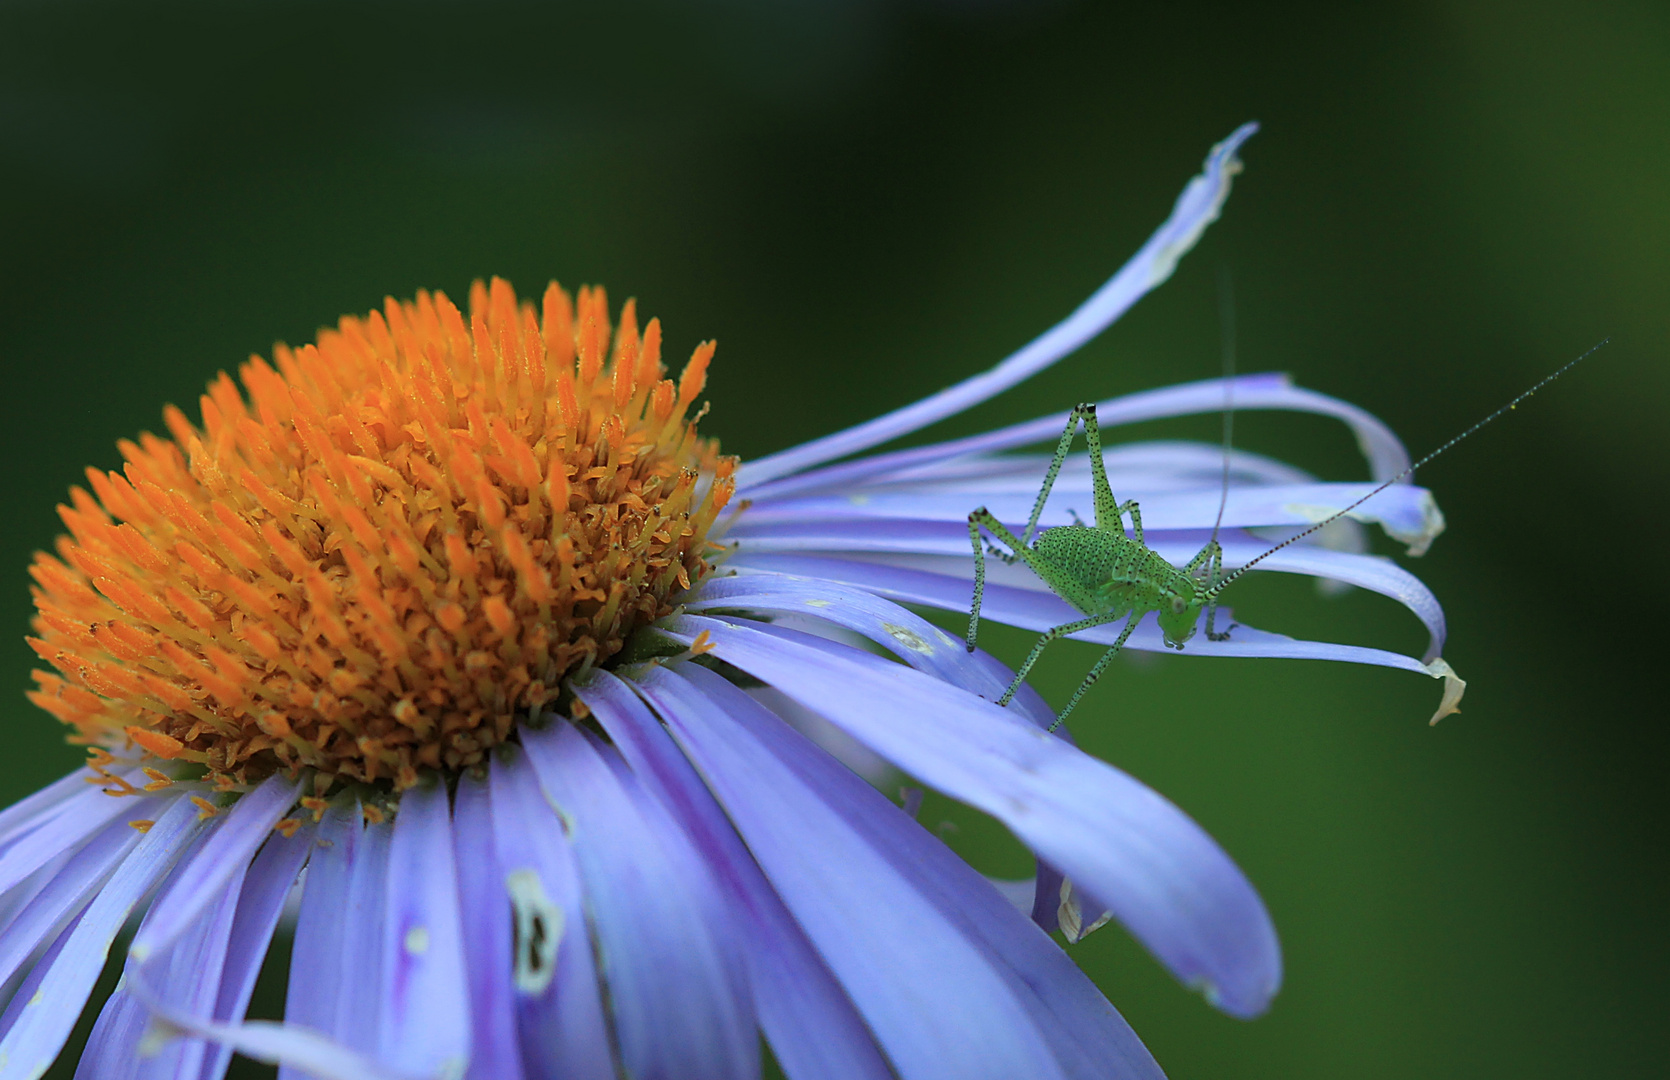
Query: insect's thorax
1100	572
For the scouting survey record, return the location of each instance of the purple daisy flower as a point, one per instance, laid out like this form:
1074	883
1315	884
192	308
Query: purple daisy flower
451	627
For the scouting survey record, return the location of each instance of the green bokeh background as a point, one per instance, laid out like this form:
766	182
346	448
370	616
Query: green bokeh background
864	202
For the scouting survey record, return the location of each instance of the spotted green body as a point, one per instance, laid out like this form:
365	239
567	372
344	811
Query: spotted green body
1111	576
1099	569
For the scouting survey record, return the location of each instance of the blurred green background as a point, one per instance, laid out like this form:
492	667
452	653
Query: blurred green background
864	202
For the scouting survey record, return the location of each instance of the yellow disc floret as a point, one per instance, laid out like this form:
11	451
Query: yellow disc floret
399	544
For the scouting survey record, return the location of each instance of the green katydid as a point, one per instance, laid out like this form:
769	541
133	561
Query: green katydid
1109	576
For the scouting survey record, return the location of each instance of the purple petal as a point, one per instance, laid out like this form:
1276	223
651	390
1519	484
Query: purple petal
1386	455
814	1030
559	1013
1197	207
34	809
487	940
865	881
1404	510
1015	596
316	974
185	973
48	1015
233	842
425	1028
69	825
62	898
266	887
1160	873
663	936
336	965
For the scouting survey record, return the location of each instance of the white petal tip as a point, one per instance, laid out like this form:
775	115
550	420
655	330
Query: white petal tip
1454	687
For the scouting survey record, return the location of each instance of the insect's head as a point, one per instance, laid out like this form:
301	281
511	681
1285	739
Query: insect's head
1179	611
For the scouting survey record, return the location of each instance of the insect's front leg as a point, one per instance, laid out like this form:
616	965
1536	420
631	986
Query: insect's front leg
983	518
1213	574
1050	635
1101	666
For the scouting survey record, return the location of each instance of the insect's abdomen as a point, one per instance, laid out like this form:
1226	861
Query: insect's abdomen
1084	562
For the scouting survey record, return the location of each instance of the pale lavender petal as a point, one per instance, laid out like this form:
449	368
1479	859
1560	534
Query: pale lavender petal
69	825
664	938
51	1010
1386	455
864	878
487	935
236	836
560	1018
186	973
909	548
112	1051
336	967
1404	510
425	1028
814	1031
1197	207
62	898
1161	874
315	997
1151	465
78	787
31	984
260	903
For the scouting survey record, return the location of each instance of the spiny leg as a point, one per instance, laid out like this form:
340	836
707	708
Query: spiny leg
1107	511
1101	666
984	518
1213	574
1129	506
1061	448
1048	636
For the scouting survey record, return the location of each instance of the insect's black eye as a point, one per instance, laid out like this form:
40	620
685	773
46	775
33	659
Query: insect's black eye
1177	605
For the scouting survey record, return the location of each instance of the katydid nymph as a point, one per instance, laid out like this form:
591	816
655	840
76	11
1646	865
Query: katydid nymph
1109	575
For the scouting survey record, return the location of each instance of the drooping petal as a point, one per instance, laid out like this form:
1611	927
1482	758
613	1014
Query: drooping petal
70	825
814	1031
969	988
81	786
914	563
1196	208
1160	873
314	998
62	898
185	971
559	1011
50	1011
235	838
260	903
336	966
661	929
1386	455
487	935
425	1021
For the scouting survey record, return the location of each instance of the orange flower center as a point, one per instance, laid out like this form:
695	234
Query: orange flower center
397	546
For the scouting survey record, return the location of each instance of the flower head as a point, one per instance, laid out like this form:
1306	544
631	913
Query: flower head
406	536
430	610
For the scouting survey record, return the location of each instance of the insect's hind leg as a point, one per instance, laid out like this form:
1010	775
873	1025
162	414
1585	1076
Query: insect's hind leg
1050	635
1101	666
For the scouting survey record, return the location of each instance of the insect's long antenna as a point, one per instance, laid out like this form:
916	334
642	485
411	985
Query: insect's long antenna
1226	333
1219	587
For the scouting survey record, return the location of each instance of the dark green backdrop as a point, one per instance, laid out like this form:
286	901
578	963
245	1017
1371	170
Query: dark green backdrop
863	202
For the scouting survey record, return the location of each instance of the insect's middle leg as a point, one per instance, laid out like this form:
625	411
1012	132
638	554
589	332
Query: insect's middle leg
1050	635
1101	666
